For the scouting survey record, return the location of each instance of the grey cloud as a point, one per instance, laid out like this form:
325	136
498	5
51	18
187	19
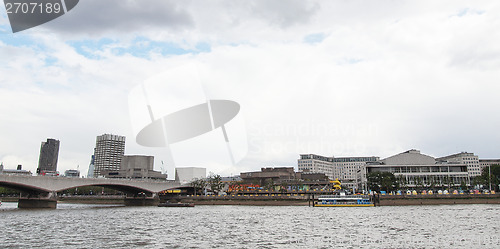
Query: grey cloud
285	13
96	17
472	59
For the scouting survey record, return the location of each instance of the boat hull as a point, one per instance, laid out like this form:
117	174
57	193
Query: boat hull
176	205
344	205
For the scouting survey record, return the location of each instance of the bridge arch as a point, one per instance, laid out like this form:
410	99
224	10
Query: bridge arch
26	188
127	189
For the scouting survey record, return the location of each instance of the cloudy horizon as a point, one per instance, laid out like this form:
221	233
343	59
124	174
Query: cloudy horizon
335	78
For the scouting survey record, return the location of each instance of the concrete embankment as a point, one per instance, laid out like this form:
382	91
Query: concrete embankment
86	199
100	199
251	202
247	200
407	200
386	200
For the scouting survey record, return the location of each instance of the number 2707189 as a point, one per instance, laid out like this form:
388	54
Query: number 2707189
32	8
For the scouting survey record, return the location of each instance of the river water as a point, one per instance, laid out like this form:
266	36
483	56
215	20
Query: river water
106	226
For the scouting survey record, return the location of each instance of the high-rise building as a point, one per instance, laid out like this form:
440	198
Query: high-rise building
108	153
90	172
49	152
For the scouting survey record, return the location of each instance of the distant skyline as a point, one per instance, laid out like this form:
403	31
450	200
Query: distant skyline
334	78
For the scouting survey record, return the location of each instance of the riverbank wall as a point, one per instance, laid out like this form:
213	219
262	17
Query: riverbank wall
410	200
304	200
247	200
290	200
84	199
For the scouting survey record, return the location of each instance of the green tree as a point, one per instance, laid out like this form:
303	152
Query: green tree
485	176
432	183
403	184
269	184
8	191
198	185
419	183
382	181
479	180
215	183
463	186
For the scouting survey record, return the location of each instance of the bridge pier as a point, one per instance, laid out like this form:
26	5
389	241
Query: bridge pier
141	200
38	200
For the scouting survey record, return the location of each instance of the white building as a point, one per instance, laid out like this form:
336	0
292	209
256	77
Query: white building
311	163
414	169
108	153
185	175
469	159
349	170
18	171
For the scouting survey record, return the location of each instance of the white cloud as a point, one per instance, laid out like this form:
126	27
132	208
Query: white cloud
383	78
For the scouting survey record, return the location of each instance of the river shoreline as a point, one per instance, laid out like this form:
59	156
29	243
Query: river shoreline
387	200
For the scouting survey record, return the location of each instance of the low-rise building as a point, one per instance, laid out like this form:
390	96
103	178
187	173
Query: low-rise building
269	175
414	169
285	178
18	171
72	173
484	163
136	167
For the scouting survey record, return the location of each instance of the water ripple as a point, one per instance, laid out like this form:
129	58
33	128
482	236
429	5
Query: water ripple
94	226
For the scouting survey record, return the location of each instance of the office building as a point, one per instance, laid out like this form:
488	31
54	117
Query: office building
469	159
108	153
352	170
311	163
485	163
349	170
49	152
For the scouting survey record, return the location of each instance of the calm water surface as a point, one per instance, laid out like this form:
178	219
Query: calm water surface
100	226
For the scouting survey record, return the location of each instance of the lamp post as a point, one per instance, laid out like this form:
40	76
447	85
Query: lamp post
489	175
361	180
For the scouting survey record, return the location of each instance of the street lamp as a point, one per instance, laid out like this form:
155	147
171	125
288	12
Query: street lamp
361	180
489	175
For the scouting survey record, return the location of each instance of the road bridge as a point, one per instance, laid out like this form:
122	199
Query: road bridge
41	191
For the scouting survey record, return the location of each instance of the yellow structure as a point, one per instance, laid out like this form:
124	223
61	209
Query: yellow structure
336	184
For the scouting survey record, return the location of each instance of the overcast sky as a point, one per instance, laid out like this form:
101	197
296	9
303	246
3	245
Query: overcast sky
335	78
